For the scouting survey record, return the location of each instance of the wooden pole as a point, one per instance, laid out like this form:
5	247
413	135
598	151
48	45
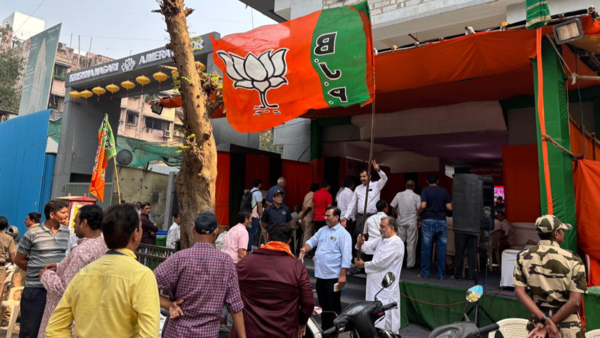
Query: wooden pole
594	146
117	176
369	165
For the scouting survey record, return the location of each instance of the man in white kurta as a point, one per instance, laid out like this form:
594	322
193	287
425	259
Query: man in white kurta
388	254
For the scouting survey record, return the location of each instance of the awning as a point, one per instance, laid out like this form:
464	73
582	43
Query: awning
486	66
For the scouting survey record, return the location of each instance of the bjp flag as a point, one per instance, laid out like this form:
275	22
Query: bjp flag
106	150
275	73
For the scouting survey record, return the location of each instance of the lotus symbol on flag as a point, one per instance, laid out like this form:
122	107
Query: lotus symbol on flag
262	73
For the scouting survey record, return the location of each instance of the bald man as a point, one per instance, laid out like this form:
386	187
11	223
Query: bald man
406	209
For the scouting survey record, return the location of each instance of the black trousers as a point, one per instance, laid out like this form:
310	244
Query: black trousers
319	225
33	302
328	300
464	242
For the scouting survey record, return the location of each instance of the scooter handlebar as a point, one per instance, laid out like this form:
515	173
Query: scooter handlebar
489	328
389	306
329	331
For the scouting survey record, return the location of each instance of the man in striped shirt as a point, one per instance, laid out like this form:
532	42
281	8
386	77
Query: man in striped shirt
44	244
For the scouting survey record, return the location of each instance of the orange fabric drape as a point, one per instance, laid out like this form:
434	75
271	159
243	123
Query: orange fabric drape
521	183
222	188
298	177
577	143
587	204
257	167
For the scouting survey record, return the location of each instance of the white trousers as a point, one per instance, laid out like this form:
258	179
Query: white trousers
409	235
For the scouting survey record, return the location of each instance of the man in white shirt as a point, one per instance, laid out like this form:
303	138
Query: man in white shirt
388	254
343	201
372	225
357	203
174	233
406	207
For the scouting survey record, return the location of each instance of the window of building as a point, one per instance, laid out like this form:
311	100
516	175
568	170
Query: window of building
132	118
56	102
157	124
60	72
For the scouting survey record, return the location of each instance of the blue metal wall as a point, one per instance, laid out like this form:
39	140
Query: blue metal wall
25	169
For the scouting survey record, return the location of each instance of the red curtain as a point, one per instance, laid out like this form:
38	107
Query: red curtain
394	185
257	166
298	176
222	188
521	183
317	168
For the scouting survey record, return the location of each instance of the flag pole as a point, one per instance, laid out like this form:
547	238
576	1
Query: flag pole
117	176
369	165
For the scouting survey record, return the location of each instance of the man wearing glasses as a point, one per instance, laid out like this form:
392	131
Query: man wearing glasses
332	261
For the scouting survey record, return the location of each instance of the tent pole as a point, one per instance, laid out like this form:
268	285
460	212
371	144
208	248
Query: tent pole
369	165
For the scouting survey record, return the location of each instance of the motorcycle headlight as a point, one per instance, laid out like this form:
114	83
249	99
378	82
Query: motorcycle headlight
451	333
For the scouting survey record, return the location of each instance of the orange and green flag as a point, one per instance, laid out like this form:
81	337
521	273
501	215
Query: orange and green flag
275	73
106	150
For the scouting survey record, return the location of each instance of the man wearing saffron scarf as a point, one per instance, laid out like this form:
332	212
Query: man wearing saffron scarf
275	288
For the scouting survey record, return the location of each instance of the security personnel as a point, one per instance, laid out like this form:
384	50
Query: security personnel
276	213
556	281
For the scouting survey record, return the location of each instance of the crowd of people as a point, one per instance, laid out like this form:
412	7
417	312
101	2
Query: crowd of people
96	287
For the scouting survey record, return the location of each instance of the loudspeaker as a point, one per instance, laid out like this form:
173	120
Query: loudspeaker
472	202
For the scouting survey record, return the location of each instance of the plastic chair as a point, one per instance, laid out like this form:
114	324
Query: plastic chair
15	308
512	328
593	334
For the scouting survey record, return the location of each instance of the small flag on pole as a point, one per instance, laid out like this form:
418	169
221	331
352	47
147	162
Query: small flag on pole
106	150
538	13
275	73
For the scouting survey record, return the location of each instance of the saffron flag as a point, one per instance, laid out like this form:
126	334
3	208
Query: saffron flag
275	73
106	150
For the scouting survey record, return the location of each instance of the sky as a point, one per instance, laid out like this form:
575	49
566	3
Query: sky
118	28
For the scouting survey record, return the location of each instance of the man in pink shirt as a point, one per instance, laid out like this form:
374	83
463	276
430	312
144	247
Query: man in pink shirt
236	239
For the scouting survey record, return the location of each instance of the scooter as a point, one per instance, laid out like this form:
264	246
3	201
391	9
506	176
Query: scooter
358	318
467	328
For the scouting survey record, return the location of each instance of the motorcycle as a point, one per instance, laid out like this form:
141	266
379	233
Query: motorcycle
467	328
359	318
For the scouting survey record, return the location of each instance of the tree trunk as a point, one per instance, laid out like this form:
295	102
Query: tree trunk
195	182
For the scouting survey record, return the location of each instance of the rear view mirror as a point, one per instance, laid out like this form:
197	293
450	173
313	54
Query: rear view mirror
474	293
388	280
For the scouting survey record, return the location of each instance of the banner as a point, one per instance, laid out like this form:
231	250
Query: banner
538	13
37	79
106	151
278	72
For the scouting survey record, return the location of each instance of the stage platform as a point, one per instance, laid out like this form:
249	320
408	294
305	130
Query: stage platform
433	303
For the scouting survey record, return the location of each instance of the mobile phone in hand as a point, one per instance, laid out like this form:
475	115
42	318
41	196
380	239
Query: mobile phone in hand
336	287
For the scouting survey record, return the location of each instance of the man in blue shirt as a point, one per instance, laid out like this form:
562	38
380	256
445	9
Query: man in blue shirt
278	187
332	261
276	213
434	203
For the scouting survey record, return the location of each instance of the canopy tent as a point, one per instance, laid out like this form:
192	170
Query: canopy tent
486	66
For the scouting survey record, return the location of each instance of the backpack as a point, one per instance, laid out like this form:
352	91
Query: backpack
246	204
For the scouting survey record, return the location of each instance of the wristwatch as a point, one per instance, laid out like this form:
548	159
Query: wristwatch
544	319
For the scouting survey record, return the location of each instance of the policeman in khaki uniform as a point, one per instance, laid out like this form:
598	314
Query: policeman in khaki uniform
556	281
7	246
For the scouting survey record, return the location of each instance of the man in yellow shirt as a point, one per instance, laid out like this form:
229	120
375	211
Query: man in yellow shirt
115	296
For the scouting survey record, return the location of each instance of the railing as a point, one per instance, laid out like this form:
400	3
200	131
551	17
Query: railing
152	255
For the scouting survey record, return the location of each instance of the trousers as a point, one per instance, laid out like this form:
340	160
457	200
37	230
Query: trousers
464	242
409	235
33	302
329	300
434	230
